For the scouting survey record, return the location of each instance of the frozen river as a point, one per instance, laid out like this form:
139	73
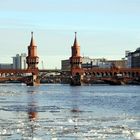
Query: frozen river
62	112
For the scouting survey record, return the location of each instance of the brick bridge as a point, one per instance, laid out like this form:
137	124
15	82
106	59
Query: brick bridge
77	74
111	75
32	61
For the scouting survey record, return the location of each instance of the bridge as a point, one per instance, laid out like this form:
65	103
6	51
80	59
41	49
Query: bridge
113	74
129	72
76	75
32	61
53	70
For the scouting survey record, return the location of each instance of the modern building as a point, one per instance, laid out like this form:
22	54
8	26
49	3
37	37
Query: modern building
128	58
117	63
86	63
6	66
90	63
133	59
19	61
23	64
65	64
96	62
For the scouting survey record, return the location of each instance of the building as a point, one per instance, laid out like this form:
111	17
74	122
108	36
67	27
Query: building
19	61
23	64
16	62
86	63
6	66
133	59
65	64
96	62
90	63
117	63
128	57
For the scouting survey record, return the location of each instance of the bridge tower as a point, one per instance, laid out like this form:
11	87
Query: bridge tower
76	62
32	58
32	61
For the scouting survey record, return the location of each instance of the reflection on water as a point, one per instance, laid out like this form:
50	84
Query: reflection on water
61	112
32	114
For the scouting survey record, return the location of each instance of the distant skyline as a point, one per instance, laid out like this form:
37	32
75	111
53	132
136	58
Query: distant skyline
105	28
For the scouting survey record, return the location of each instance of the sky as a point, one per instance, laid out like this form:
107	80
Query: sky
105	28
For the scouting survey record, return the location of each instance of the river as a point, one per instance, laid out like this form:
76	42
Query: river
62	112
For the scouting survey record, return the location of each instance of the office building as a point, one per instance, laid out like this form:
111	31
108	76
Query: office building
133	59
19	61
6	66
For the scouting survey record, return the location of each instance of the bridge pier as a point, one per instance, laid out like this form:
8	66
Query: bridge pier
76	80
32	80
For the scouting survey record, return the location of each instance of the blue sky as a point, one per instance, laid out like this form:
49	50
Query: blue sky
106	28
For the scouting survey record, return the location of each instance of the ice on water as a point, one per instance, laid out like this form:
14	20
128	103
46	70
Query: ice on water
61	112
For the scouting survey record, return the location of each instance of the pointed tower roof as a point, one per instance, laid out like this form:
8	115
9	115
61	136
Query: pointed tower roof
75	44
32	43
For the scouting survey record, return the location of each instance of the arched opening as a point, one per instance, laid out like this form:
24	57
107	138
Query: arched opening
110	74
106	74
115	74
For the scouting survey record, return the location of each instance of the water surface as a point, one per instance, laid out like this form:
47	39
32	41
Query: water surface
62	112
